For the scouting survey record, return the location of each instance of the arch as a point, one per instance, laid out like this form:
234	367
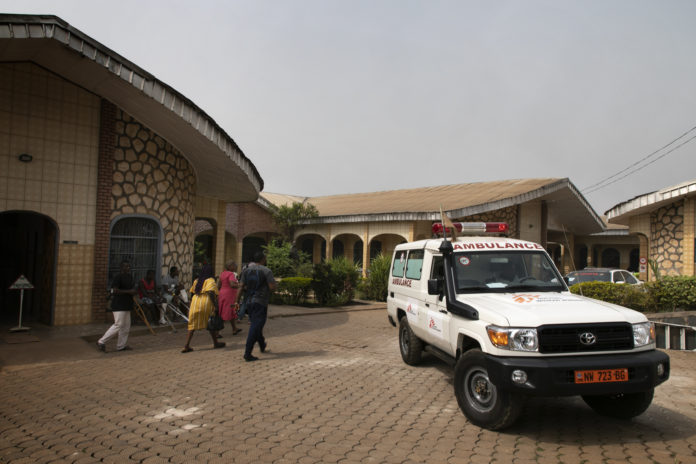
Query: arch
204	231
611	257
581	254
634	260
344	245
250	245
136	238
385	244
314	245
29	247
338	249
358	253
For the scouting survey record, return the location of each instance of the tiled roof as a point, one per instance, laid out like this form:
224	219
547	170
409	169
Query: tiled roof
565	203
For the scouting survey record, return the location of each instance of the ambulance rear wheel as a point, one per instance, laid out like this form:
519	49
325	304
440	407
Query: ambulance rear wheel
480	400
621	406
411	347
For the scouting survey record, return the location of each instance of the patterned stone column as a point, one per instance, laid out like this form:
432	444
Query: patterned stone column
667	234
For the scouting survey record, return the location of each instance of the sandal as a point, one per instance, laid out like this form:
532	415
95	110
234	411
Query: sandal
236	331
187	349
219	345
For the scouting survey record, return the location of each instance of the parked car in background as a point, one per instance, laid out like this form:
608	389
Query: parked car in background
601	274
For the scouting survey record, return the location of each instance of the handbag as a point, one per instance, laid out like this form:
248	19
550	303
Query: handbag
215	322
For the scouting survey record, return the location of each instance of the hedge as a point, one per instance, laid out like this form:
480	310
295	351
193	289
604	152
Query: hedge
293	290
676	293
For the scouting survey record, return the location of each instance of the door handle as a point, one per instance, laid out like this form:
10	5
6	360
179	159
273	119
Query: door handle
427	305
443	311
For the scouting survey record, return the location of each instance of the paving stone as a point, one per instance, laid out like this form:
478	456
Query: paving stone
333	389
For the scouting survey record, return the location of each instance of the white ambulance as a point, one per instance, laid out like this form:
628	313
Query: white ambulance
499	311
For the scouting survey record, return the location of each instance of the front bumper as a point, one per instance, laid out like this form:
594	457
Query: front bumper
555	376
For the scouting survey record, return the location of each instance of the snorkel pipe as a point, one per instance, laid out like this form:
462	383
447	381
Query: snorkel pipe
453	305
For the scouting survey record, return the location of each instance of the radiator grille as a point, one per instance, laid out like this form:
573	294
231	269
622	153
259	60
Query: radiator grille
566	338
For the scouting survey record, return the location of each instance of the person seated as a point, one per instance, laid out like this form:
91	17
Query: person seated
171	289
149	295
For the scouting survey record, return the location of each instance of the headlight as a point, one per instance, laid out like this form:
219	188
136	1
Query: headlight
512	338
643	334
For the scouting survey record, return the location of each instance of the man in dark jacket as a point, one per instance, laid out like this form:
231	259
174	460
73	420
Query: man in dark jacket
122	288
257	283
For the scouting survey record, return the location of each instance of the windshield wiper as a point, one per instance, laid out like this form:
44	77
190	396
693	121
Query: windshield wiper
531	287
473	289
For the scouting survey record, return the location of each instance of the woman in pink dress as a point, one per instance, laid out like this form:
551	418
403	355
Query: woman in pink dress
228	293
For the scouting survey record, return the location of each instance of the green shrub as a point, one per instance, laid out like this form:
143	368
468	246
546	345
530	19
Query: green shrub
334	281
677	293
673	293
283	260
294	290
374	286
630	296
305	270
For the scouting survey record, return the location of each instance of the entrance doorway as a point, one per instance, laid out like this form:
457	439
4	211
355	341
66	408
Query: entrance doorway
28	246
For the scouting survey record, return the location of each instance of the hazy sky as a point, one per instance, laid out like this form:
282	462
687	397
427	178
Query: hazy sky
328	97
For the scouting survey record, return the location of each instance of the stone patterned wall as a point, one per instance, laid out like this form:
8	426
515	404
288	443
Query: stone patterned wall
151	177
508	215
666	236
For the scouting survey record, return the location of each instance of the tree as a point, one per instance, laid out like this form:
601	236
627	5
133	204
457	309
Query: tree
281	260
289	218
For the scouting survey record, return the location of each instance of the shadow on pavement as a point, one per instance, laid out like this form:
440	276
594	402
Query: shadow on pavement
568	420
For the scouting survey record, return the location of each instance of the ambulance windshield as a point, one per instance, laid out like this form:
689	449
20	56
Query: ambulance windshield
504	272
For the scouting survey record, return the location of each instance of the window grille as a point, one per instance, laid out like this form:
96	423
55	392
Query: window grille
136	240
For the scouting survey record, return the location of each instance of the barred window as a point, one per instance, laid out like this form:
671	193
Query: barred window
136	240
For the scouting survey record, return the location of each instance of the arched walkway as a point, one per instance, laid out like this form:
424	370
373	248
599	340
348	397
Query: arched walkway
28	246
314	245
384	244
348	246
204	244
611	258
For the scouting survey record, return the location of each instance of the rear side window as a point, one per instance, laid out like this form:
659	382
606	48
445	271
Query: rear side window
414	264
399	264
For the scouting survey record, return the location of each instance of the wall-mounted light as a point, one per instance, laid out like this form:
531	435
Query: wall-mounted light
25	158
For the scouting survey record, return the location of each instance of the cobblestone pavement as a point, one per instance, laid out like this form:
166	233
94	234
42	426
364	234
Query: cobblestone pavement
331	389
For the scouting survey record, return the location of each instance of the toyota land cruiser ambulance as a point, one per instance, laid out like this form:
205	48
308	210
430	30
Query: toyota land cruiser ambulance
499	311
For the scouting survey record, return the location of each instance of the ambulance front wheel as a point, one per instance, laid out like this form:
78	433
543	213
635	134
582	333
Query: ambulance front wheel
411	347
480	400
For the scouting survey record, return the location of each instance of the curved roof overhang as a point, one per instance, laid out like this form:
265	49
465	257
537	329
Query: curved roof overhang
222	169
621	213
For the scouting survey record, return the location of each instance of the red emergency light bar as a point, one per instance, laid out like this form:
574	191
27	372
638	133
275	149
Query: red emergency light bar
473	228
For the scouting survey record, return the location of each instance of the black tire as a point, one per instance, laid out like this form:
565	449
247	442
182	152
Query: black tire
621	406
481	401
411	347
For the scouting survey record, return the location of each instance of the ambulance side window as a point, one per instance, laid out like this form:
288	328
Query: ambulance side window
399	264
414	264
438	270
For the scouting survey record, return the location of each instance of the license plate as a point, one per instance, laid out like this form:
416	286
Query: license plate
601	376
